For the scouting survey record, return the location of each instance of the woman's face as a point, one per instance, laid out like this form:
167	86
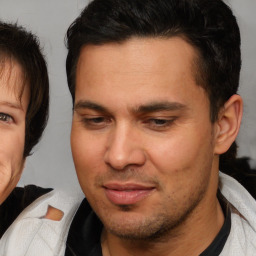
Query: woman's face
13	108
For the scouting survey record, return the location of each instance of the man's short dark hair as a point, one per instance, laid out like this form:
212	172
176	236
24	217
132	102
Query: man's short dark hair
208	25
22	46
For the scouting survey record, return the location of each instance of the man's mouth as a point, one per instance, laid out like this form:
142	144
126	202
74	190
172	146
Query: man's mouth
126	194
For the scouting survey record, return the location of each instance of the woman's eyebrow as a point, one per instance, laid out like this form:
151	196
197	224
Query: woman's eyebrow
11	105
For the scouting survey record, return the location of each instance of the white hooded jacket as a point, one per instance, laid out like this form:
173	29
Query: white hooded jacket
32	235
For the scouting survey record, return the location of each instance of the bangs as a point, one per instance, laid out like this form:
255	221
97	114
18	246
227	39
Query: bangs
11	76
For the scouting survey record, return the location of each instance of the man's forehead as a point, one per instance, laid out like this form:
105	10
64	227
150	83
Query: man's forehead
142	56
138	45
160	70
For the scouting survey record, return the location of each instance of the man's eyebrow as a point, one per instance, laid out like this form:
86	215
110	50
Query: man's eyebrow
160	106
147	108
85	104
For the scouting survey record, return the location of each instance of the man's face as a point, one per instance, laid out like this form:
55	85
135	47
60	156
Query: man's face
142	140
12	126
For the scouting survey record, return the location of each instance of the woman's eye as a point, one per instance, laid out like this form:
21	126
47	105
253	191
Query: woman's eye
5	117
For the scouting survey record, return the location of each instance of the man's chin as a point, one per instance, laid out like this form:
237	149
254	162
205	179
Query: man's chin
133	226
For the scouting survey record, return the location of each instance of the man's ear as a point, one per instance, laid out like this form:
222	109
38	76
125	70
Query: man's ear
228	124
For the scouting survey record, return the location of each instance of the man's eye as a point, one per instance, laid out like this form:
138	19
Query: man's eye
95	122
159	123
5	117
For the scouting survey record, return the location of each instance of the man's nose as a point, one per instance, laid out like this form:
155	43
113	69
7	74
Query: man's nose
124	148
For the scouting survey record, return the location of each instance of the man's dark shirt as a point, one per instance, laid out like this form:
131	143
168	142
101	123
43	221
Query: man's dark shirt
85	233
16	202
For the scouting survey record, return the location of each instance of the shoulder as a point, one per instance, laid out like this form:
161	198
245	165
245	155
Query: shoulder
32	230
236	194
242	238
16	202
240	169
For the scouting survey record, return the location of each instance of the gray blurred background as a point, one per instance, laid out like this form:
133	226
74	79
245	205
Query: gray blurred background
51	164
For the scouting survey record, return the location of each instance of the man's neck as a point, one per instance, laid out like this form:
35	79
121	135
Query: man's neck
190	238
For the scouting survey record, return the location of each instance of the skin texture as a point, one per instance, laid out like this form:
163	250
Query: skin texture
145	151
53	214
12	126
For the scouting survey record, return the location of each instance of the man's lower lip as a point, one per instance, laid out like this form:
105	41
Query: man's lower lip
126	197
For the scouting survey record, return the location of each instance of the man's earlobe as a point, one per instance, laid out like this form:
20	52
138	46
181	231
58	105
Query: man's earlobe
228	124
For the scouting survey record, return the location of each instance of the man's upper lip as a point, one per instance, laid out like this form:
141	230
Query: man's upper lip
127	186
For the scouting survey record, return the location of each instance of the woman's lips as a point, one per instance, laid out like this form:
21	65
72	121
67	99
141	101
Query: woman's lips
127	194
